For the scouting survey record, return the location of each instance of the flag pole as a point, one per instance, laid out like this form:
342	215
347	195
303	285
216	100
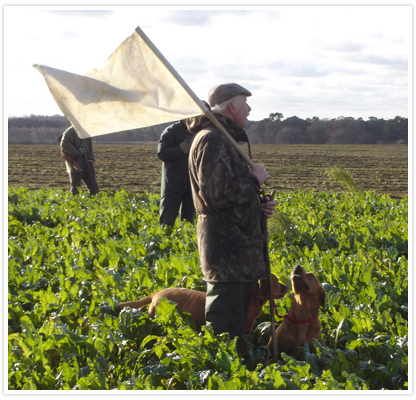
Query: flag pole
195	98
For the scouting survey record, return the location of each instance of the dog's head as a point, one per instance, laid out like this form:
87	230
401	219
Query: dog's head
307	288
279	290
261	295
263	289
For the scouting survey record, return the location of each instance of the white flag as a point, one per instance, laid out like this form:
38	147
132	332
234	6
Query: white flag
134	89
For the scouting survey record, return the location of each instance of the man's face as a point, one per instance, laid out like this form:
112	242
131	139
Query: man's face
240	111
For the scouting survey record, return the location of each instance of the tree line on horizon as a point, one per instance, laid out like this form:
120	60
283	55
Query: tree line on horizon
341	130
36	129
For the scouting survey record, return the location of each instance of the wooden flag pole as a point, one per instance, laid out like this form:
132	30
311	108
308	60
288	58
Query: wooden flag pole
271	299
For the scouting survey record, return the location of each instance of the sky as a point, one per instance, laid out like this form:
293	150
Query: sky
307	61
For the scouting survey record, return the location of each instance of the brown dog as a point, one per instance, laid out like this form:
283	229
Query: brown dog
193	301
301	324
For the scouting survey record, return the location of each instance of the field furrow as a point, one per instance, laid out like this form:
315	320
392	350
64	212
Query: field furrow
136	167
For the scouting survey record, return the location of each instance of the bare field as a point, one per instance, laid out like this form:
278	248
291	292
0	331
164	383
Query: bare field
135	167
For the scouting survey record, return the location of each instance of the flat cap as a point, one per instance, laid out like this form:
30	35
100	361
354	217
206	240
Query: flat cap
226	91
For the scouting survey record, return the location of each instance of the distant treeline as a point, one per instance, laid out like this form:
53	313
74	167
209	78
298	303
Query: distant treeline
273	130
342	130
38	129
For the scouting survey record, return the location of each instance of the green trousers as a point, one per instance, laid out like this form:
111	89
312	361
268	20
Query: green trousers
227	305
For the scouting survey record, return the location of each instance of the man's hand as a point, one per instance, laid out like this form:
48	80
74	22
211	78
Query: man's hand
261	174
268	208
186	144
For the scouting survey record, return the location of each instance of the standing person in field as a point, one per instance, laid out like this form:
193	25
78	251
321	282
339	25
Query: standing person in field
77	153
175	193
231	228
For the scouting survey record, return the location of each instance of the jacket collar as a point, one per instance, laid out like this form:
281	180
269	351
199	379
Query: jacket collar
202	122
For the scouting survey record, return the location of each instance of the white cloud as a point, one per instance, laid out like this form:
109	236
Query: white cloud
320	61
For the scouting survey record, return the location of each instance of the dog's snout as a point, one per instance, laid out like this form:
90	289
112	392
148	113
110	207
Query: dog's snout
297	270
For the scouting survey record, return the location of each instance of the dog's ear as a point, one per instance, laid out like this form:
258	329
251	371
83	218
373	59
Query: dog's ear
322	297
264	288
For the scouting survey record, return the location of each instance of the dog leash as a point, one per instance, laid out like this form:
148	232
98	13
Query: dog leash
294	320
263	199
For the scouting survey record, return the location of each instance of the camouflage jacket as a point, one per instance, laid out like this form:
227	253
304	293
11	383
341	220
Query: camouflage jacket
231	231
71	143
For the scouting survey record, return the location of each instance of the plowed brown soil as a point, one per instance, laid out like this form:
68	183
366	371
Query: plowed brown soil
136	168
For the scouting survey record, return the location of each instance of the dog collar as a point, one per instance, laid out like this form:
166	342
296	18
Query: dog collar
296	321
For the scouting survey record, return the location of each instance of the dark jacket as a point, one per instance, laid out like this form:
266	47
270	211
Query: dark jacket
175	176
71	143
231	230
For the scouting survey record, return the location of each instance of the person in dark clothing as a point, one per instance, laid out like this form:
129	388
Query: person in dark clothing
175	193
80	152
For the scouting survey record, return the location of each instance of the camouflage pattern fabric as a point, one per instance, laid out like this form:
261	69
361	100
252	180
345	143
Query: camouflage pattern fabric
231	230
71	143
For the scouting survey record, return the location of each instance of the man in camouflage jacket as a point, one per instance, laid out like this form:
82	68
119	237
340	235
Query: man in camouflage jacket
72	144
231	230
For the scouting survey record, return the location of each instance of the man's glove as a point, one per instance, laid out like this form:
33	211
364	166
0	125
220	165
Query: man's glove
186	144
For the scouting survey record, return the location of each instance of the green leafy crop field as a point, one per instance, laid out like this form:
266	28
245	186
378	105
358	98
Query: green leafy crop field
71	259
